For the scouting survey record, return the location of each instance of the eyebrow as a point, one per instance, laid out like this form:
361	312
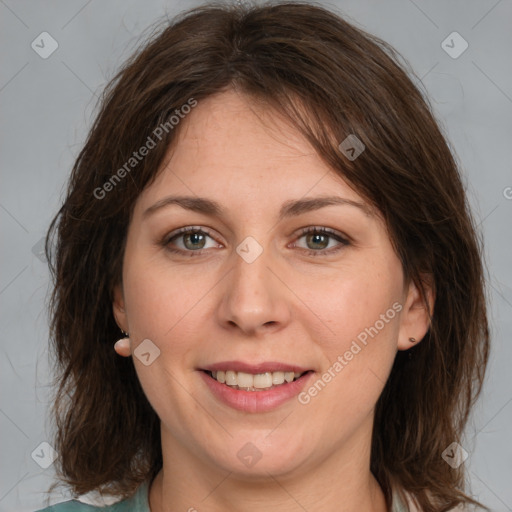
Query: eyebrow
289	209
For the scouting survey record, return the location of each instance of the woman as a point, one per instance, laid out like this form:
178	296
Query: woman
267	209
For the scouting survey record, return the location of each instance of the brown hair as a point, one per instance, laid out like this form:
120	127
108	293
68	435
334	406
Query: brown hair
330	79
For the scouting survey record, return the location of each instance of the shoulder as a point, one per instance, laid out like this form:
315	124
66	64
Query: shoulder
405	502
78	506
137	503
71	506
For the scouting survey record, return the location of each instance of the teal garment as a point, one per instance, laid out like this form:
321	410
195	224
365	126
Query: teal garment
139	502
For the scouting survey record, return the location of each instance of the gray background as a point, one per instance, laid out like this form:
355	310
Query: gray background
46	108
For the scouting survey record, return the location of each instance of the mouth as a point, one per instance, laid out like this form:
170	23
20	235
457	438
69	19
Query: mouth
255	390
255	387
245	381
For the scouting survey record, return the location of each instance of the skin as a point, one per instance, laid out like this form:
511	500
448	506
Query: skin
284	306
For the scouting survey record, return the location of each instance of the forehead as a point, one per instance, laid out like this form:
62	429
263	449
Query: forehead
233	126
235	150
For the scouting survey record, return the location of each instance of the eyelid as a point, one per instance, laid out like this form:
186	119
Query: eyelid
324	230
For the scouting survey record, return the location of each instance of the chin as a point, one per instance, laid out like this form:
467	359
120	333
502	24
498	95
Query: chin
254	457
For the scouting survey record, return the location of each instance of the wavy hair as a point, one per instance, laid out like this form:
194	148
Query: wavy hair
330	79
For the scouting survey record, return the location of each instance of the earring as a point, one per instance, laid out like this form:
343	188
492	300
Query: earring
412	340
123	341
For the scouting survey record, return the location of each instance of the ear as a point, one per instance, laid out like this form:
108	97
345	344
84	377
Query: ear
122	347
415	318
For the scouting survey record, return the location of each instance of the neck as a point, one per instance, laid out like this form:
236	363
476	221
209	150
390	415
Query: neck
342	483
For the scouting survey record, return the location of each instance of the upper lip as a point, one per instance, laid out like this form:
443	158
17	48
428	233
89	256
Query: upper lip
267	366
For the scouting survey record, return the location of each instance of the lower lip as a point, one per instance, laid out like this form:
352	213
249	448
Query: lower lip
256	401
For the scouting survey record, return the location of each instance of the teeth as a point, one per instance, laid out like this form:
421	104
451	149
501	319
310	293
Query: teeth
245	380
277	378
250	382
288	376
231	379
261	380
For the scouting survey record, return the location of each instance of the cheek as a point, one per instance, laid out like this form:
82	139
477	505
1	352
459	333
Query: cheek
157	297
161	308
361	310
166	305
348	306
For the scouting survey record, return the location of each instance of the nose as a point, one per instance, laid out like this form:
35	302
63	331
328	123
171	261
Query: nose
255	298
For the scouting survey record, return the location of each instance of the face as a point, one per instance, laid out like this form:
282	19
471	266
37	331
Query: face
262	288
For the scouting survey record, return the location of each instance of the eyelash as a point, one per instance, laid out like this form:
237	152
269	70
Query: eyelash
305	231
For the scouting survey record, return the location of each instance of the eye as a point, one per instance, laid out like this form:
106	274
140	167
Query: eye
319	237
194	238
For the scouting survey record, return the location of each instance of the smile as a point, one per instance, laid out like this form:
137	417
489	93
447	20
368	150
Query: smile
257	391
258	382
